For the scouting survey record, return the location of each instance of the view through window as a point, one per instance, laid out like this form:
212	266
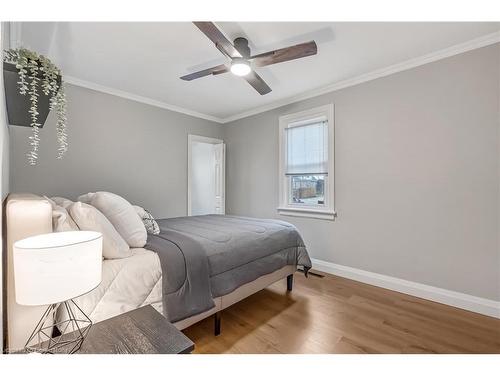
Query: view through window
308	190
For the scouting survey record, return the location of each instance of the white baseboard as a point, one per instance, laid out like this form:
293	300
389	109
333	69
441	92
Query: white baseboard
448	297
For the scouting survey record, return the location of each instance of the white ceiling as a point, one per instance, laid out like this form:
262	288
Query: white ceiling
147	59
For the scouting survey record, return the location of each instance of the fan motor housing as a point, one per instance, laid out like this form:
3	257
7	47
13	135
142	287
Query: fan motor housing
241	44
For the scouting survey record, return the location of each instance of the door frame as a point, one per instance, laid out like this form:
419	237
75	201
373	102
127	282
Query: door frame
202	139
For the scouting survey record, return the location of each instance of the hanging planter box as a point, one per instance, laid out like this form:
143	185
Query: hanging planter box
18	105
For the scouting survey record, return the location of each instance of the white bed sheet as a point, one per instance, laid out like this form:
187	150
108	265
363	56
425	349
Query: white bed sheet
127	284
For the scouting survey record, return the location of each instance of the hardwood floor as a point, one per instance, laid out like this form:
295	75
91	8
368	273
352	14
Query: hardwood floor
337	315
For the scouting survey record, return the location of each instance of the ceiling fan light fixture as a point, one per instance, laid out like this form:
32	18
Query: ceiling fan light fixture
240	67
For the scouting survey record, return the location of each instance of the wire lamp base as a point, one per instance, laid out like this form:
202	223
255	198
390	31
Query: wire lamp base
71	331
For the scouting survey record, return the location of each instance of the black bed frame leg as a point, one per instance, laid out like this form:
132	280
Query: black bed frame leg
289	283
217	317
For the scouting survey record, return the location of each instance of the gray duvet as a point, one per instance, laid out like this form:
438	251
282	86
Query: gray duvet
203	257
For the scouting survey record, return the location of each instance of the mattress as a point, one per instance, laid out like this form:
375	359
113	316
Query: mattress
132	282
203	257
231	242
232	251
223	283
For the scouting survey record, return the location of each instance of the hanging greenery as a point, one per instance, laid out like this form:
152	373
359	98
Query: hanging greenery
37	73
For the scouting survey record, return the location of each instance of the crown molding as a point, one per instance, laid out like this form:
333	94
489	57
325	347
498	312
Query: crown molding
138	98
457	49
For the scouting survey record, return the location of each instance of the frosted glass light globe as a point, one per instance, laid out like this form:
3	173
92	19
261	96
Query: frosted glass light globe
240	67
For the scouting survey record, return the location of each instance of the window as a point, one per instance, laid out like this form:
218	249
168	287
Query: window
306	163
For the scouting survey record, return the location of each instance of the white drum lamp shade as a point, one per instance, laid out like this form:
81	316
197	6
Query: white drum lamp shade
56	267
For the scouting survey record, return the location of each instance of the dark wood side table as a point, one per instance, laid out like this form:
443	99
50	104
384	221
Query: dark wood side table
140	331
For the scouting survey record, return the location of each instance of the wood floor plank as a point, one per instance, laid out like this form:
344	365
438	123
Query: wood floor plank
337	315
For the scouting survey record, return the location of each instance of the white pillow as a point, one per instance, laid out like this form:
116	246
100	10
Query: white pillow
121	214
90	218
140	211
60	201
61	220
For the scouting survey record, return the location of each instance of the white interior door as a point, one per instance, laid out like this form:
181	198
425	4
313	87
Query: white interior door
206	176
219	156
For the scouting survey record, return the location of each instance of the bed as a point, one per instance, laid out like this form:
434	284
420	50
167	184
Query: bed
196	266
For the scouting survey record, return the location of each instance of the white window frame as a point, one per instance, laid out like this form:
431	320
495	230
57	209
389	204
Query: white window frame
326	211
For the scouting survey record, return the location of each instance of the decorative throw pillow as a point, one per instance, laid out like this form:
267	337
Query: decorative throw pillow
121	214
88	217
149	221
61	220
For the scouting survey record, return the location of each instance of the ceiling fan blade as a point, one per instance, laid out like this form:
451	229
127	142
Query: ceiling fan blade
257	83
219	69
216	36
285	54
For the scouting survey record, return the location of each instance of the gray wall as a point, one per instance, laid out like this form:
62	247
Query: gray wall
417	168
117	145
416	159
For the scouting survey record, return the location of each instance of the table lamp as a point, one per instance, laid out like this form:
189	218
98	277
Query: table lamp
52	269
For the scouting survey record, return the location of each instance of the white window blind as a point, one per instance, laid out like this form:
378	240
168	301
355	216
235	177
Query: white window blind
307	149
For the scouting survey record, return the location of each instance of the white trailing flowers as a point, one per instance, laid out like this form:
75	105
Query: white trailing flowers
38	72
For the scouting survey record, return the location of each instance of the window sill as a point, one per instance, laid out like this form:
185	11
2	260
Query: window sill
307	212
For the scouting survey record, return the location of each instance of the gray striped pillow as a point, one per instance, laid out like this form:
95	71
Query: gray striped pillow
150	223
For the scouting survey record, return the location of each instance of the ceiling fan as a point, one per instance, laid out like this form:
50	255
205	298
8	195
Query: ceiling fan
242	63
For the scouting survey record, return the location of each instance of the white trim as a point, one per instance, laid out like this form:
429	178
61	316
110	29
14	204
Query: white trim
457	49
15	35
199	138
138	98
328	210
203	139
448	297
304	212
